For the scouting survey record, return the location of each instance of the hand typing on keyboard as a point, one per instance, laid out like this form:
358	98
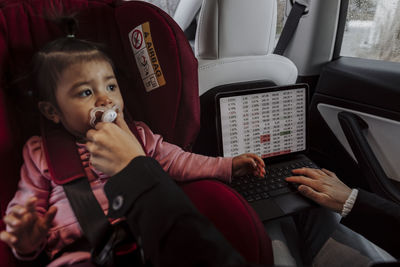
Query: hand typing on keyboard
248	164
322	186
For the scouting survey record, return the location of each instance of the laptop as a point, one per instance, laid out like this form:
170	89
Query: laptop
272	123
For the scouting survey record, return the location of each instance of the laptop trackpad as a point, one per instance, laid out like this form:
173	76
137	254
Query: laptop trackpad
291	203
267	209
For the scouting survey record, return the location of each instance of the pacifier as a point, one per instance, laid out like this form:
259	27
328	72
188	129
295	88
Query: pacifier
103	114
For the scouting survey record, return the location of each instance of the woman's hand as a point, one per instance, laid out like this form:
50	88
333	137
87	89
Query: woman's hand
112	146
322	186
248	164
26	230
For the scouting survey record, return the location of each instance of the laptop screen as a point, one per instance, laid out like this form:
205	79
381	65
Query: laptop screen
266	121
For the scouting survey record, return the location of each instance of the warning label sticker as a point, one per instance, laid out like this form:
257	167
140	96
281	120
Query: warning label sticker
146	57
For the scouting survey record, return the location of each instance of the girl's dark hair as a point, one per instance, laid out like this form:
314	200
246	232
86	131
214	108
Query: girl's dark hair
56	56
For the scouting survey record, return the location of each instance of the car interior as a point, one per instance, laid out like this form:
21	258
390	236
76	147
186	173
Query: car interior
342	51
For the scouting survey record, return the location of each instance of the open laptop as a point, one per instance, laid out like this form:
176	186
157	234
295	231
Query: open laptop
272	123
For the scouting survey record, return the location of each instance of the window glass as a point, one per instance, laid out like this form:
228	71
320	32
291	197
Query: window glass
372	30
280	18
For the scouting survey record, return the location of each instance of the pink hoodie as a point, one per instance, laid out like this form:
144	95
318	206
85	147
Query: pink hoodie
36	181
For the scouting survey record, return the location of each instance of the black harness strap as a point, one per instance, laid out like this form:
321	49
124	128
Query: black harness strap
59	145
290	27
90	215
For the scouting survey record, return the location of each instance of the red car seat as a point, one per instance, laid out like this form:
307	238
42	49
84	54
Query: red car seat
167	101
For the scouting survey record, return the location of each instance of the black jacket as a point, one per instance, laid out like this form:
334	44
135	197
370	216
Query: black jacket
377	219
162	218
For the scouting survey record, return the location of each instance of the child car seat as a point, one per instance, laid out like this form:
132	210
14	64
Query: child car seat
169	102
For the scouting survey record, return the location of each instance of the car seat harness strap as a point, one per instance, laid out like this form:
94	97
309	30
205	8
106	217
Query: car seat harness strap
104	238
90	215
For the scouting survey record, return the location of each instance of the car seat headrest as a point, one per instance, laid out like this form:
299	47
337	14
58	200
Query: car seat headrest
228	28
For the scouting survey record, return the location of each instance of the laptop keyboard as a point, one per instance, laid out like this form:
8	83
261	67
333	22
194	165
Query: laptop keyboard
274	184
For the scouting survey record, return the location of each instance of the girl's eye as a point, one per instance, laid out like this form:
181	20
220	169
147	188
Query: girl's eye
86	92
111	87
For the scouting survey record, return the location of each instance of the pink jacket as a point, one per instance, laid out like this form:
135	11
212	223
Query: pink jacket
35	181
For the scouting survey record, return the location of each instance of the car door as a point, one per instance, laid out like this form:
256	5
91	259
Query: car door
355	108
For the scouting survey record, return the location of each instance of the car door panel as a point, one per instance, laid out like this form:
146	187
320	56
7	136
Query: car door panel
366	88
382	135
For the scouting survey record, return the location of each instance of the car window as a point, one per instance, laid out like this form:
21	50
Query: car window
280	18
372	30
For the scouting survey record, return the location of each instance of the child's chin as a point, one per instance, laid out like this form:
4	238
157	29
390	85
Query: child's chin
81	139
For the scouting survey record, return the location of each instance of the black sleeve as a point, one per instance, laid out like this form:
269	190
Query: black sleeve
172	231
377	219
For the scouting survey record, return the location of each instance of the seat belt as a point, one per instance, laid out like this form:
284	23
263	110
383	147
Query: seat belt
290	27
60	145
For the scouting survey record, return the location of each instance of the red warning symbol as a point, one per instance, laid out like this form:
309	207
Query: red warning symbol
137	38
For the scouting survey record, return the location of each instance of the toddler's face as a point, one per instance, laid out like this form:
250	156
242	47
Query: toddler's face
81	87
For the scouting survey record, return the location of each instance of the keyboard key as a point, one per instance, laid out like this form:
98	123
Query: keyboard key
280	185
273	186
249	199
279	192
243	187
264	195
266	188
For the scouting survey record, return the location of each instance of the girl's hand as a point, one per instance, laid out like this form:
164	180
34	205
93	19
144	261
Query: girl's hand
26	229
248	164
322	186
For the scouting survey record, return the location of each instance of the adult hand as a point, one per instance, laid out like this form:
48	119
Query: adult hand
322	186
248	164
112	146
26	230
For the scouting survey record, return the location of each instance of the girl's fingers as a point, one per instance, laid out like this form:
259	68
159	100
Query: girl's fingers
253	163
49	216
12	221
257	159
258	173
18	211
30	205
9	238
247	163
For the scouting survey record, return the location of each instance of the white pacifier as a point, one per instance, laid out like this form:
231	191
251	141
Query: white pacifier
108	114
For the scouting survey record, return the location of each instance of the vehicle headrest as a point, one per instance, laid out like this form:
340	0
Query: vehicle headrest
222	33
